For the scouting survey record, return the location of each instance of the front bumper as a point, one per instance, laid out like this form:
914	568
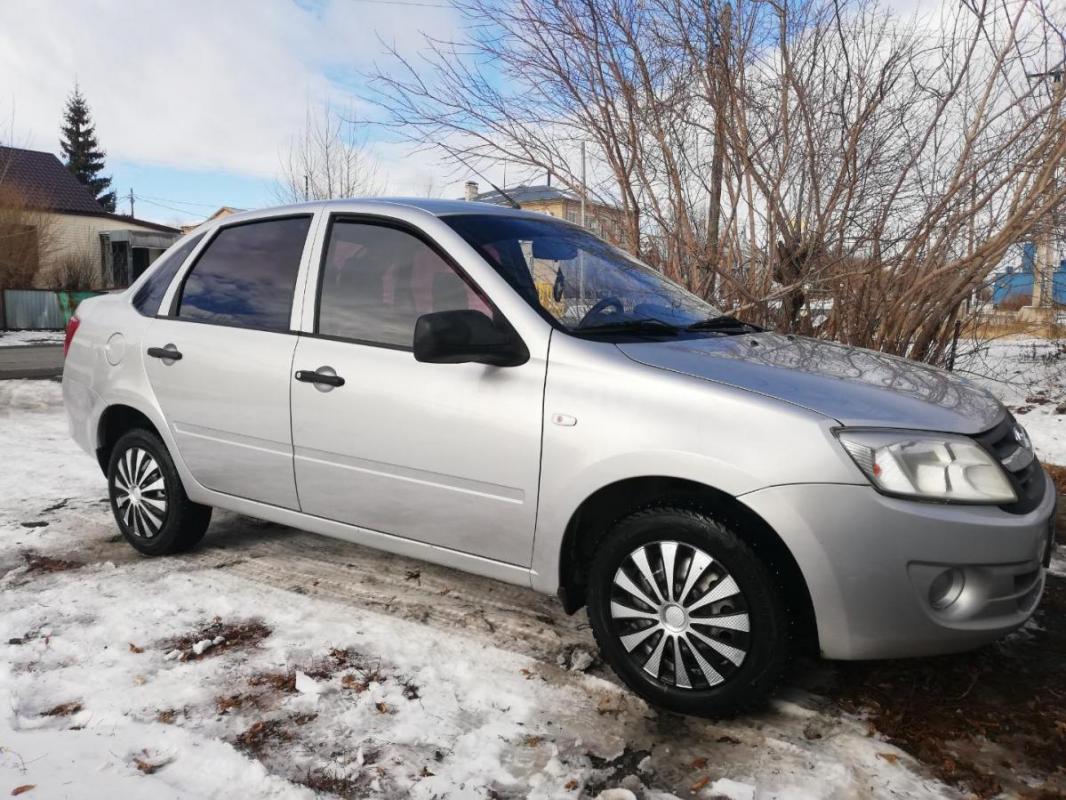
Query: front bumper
869	562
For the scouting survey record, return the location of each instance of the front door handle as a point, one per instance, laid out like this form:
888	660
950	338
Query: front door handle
324	378
170	353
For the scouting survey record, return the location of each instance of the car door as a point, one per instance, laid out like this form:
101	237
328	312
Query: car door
219	363
446	454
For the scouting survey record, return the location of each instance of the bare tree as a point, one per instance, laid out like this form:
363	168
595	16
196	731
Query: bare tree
26	232
328	159
817	166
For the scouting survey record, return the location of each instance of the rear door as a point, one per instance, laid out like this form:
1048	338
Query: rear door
220	361
447	454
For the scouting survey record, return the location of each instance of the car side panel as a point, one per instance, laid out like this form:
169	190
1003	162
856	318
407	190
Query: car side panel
608	419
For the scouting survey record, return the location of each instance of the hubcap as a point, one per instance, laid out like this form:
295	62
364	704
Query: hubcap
140	493
680	615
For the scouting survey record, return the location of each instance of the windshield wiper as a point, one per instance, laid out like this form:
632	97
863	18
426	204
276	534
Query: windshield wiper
725	324
647	325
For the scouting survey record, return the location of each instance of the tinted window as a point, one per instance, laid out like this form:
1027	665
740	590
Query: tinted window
150	294
377	281
245	276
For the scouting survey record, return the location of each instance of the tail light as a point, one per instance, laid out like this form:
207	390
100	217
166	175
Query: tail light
72	328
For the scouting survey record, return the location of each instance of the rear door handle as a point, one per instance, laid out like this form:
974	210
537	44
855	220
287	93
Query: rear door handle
310	376
169	353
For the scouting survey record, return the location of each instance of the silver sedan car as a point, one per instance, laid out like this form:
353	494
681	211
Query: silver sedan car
504	393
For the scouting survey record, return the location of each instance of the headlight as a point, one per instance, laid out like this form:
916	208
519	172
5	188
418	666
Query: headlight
931	466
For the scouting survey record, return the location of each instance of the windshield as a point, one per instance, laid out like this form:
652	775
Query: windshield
579	280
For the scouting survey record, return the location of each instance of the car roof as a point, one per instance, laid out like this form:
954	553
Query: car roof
436	207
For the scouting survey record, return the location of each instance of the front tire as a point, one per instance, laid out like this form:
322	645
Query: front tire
148	499
686	614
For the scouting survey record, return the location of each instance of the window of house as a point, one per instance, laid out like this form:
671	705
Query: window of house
571	215
150	293
246	276
377	281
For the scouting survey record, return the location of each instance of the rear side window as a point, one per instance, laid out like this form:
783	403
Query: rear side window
377	281
246	275
150	294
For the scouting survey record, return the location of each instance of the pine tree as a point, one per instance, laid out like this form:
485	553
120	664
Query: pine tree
84	157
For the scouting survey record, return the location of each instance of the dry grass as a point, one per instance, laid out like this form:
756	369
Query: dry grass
1058	474
232	635
37	564
941	709
63	710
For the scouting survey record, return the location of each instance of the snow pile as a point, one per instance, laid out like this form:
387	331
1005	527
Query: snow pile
1029	377
23	338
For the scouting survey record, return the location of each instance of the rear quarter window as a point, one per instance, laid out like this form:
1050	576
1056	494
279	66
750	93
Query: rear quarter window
150	293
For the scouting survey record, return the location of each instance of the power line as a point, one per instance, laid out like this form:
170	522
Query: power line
178	202
163	205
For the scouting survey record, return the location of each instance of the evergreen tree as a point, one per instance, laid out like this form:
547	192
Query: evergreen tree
84	157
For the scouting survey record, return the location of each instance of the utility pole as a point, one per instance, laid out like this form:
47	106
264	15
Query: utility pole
721	63
1043	266
307	190
584	184
131	202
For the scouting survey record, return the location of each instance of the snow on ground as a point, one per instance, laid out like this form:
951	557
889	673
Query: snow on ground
21	338
232	672
1029	376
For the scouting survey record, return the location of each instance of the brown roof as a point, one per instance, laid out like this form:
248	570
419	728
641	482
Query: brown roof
43	182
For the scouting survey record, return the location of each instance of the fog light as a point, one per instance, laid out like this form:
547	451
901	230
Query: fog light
946	588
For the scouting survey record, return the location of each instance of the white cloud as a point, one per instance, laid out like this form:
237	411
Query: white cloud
218	86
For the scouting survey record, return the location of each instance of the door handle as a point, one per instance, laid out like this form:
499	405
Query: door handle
170	353
310	376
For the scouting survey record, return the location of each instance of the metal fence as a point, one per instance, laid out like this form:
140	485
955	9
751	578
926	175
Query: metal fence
38	309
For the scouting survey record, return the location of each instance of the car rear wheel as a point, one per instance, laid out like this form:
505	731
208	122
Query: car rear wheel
686	614
148	500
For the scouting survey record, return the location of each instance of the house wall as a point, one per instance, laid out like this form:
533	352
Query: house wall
71	235
601	220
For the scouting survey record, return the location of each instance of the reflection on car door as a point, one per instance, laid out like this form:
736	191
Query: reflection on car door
446	454
226	398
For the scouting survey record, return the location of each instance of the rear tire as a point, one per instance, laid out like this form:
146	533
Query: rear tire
148	499
645	624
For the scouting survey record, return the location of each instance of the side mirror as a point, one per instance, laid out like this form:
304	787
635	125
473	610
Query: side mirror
460	337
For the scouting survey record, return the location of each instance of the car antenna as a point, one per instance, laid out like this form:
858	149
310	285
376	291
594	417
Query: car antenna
466	164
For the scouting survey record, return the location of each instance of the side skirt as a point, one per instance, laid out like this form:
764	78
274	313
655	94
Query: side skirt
410	548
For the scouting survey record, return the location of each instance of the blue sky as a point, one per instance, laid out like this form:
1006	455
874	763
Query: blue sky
196	101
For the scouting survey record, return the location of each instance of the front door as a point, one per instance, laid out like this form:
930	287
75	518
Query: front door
220	364
447	454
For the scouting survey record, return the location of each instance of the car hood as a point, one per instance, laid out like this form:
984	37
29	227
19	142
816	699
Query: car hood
853	386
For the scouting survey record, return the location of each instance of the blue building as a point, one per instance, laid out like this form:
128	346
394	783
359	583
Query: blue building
1019	282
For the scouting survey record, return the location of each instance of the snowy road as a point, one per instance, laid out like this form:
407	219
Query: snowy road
270	661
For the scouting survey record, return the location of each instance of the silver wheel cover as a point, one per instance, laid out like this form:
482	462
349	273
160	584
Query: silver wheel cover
680	615
139	492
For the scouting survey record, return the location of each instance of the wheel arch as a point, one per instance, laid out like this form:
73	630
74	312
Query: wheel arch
115	421
591	521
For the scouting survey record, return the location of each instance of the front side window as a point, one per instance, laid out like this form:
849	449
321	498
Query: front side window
377	281
150	293
246	276
579	280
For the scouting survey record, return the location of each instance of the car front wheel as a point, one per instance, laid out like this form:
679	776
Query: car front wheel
686	614
148	500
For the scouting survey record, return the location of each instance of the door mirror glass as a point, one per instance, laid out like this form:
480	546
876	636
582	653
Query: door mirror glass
459	337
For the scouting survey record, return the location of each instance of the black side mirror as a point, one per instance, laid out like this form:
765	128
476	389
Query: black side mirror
460	337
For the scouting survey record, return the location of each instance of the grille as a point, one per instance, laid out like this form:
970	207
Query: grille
1027	479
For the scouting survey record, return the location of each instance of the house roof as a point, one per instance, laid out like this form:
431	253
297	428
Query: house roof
43	182
527	194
